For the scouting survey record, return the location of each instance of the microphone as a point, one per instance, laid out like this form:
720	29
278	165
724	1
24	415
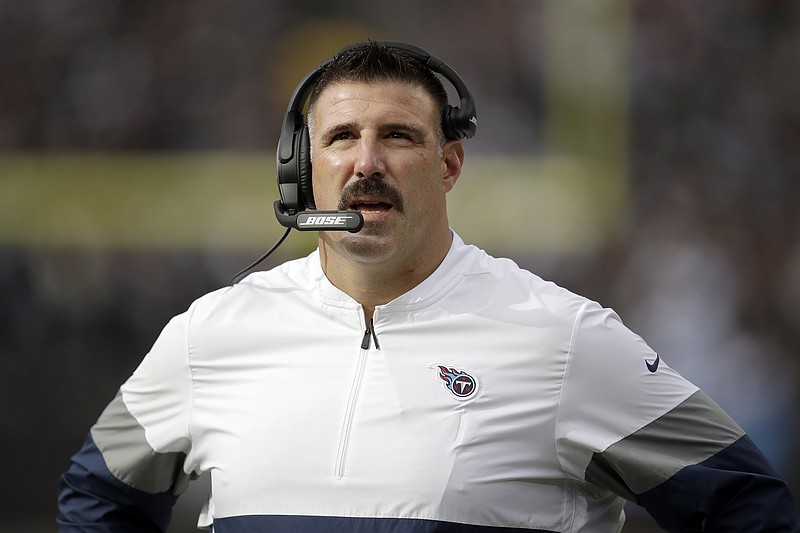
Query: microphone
351	221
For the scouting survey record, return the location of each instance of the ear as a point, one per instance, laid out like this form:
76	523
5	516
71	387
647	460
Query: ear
452	161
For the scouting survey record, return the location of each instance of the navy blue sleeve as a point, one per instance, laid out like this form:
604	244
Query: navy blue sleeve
734	490
92	499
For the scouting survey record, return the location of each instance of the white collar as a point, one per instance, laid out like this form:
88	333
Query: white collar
431	289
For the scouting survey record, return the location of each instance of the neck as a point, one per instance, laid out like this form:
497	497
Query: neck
377	283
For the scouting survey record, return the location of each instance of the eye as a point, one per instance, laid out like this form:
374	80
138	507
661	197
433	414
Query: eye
401	136
404	133
341	136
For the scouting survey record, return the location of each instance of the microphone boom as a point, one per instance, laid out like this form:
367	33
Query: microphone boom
351	221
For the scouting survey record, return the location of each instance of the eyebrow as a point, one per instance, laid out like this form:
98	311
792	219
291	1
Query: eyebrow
406	128
391	126
337	129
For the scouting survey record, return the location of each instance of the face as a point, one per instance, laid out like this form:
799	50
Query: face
376	149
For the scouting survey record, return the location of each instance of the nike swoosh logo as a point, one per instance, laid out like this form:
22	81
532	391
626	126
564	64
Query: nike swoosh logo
652	367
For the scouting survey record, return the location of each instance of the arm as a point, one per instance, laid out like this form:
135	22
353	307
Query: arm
91	498
734	490
131	467
694	469
645	433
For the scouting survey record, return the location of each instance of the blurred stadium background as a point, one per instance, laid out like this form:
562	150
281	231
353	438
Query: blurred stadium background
644	154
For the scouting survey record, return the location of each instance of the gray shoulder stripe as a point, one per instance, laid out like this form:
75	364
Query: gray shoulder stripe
688	434
129	456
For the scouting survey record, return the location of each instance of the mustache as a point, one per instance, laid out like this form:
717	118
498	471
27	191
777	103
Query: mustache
370	187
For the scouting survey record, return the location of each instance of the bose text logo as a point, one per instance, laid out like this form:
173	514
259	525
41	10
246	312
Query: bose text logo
324	221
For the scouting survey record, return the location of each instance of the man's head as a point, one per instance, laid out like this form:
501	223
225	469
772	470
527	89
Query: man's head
376	135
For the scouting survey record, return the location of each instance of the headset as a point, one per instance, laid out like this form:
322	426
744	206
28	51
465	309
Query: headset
293	157
296	208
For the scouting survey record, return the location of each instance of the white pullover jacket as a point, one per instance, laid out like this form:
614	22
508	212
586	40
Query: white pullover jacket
483	400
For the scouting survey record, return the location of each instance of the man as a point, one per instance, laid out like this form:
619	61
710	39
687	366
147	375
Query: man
399	380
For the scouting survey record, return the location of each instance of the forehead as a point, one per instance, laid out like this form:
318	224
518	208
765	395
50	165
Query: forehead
347	101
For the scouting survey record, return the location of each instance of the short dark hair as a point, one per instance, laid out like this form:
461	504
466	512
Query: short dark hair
370	62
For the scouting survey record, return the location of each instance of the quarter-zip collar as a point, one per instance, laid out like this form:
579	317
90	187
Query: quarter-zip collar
439	283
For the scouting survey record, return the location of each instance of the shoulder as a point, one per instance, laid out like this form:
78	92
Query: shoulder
260	289
501	282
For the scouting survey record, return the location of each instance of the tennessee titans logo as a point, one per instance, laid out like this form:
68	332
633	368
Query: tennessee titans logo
458	382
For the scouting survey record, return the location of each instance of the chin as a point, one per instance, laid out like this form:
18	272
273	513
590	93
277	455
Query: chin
366	247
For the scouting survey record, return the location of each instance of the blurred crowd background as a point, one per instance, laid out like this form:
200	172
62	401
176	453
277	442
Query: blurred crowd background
643	154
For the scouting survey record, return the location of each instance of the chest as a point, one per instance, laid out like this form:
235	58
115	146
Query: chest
430	416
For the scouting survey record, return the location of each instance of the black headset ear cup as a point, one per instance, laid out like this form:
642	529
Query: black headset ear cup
304	169
457	125
449	129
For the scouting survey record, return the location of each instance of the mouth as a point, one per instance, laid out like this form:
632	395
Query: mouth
370	206
372	198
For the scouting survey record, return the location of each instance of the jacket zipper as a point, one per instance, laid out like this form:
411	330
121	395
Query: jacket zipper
369	333
344	439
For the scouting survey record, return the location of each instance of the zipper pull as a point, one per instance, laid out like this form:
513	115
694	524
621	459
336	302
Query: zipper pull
365	340
370	334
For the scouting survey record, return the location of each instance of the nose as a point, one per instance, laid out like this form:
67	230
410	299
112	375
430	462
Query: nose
370	159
